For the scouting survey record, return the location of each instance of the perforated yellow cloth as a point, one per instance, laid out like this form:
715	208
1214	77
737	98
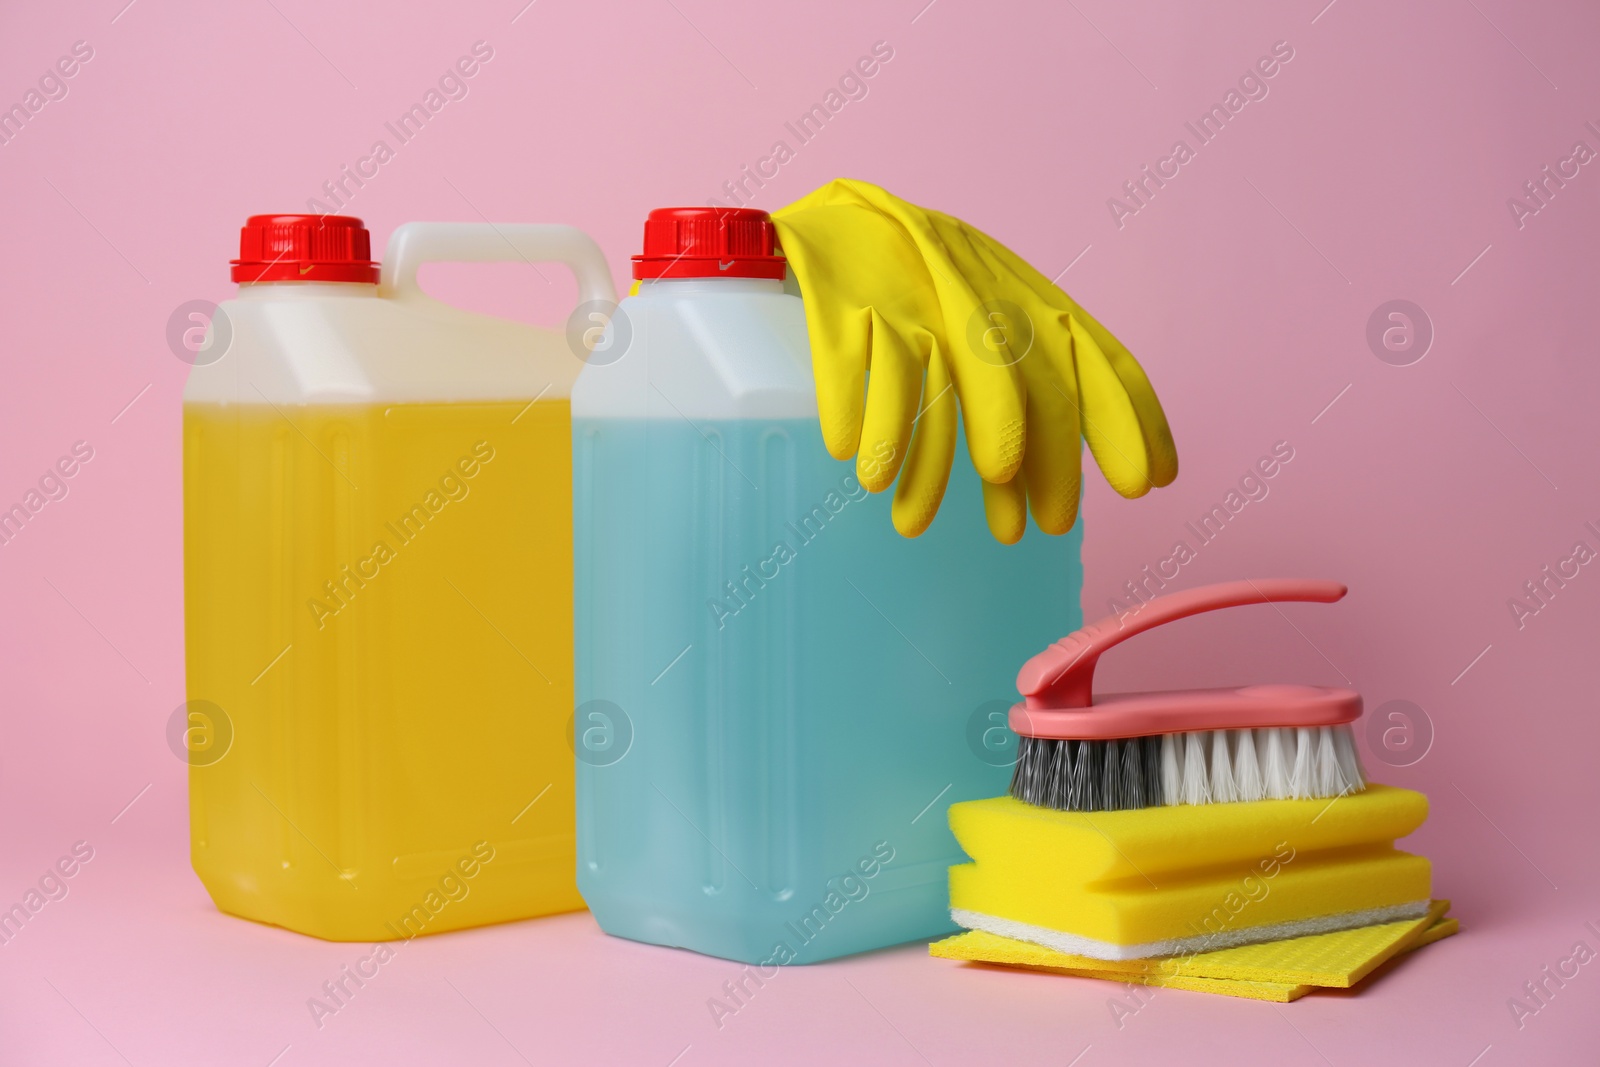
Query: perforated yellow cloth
1279	971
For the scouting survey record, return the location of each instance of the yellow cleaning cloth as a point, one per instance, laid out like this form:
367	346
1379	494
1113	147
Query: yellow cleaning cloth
1279	971
1278	992
1172	880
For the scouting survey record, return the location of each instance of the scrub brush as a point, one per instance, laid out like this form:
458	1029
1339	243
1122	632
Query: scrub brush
1197	746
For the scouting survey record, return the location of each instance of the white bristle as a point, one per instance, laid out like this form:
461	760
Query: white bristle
1171	770
1274	763
1303	779
1196	780
1246	768
1223	790
1330	782
1344	746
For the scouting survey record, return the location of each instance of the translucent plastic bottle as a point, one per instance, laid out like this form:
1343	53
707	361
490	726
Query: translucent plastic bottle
377	550
778	695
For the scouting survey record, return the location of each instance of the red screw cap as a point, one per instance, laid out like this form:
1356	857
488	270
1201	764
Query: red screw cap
709	242
304	248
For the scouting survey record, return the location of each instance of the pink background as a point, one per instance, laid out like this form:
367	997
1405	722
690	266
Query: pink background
1377	168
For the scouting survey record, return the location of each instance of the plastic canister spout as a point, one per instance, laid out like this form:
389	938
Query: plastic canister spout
709	242
304	248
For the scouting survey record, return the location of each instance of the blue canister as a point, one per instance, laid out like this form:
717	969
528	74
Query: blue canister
778	696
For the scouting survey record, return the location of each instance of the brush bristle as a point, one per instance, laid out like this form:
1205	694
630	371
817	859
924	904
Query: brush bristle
1200	767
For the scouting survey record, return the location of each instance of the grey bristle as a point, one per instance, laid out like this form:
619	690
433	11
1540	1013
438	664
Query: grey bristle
1111	776
1197	767
1086	778
1152	772
1019	769
1059	769
1133	785
1027	775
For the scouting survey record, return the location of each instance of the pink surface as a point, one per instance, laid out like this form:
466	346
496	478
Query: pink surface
1377	167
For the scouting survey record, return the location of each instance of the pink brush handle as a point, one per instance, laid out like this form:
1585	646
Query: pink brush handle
1062	676
1146	714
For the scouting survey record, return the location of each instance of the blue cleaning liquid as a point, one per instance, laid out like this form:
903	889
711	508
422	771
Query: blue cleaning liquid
778	695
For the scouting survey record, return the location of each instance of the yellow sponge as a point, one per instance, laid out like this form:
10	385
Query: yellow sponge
1174	880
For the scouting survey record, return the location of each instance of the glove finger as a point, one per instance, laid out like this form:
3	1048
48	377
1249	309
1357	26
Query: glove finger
838	365
1005	505
894	389
933	448
1052	466
1110	422
978	335
992	393
840	293
1161	451
987	339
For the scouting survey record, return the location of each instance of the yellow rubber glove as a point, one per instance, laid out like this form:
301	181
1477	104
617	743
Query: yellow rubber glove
877	311
897	289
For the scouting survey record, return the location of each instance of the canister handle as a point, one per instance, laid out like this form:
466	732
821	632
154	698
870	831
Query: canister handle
417	243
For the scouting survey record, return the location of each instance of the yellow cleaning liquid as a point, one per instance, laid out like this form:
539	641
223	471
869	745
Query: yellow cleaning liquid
379	640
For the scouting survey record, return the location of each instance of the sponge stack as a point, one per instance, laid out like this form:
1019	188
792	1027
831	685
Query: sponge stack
1169	881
